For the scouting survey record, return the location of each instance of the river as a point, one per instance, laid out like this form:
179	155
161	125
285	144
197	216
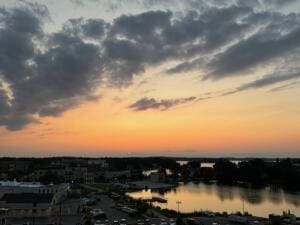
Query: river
220	198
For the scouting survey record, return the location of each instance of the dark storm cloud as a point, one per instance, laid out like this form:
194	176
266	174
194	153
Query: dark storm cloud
279	2
4	105
259	48
144	25
16	122
164	104
45	81
90	28
186	66
218	28
257	38
69	69
19	27
188	4
136	41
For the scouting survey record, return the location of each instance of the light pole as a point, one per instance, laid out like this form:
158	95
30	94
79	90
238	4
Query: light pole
243	206
178	203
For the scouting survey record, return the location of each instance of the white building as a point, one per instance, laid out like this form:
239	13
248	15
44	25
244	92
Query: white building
31	198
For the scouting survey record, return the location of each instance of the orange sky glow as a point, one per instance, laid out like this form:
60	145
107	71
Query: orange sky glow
104	78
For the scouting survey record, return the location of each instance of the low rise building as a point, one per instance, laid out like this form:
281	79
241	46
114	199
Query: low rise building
76	174
117	174
97	162
27	204
157	177
30	199
14	187
56	170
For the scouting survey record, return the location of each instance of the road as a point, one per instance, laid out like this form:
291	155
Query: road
106	204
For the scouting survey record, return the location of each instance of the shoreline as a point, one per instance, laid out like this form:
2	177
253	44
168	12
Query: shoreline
198	210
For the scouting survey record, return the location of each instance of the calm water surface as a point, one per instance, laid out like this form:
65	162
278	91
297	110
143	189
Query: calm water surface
218	198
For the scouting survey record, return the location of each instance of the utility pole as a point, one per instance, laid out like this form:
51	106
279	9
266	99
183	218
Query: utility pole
243	205
60	213
178	203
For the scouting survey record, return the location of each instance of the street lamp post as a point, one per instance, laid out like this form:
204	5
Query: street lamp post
178	203
243	206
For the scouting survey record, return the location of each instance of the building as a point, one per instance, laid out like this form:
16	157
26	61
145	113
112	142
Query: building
27	204
14	165
3	176
117	174
7	187
7	166
32	205
157	177
76	174
97	162
57	170
14	187
287	218
89	178
22	165
29	199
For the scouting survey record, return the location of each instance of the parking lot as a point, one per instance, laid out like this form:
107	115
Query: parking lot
107	205
64	220
218	220
113	213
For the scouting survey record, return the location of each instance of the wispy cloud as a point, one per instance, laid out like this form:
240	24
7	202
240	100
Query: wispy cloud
285	87
265	81
163	104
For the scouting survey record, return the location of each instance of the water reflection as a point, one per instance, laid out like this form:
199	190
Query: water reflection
201	196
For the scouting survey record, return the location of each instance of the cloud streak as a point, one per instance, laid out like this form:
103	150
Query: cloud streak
144	104
284	87
265	81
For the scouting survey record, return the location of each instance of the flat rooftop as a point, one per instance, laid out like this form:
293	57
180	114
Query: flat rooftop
20	184
27	198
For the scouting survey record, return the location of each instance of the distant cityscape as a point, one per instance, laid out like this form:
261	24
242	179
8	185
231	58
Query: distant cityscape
66	190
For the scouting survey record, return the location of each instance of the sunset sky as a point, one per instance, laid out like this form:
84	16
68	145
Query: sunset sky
150	77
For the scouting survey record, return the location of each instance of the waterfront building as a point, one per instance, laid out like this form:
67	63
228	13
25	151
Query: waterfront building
60	191
31	199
